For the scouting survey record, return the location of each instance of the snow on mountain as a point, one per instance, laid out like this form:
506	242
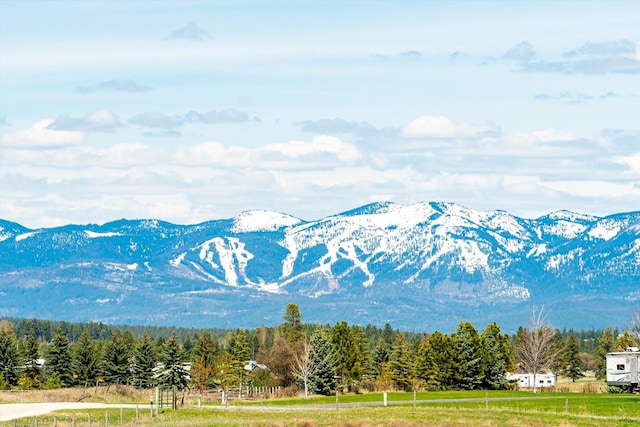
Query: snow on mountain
260	220
432	256
605	230
93	235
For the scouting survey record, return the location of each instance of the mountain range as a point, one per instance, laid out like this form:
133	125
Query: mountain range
424	266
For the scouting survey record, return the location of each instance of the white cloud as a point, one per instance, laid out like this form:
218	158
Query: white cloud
631	161
191	31
442	127
522	52
98	121
155	119
286	155
224	116
322	144
40	135
591	189
114	86
538	137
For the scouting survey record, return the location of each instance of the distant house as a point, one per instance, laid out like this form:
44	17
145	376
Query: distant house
527	380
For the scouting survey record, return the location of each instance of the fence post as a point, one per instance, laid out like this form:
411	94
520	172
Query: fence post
486	401
36	423
566	406
384	398
414	399
106	418
137	412
121	416
55	421
336	398
89	419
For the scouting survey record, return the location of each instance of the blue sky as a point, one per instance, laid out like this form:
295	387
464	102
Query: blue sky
191	111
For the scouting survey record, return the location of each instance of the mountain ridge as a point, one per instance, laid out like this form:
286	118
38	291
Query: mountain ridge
444	262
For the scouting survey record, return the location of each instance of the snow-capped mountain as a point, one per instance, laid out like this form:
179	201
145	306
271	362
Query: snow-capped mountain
422	266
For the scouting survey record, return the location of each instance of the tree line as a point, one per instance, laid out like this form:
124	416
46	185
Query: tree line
317	359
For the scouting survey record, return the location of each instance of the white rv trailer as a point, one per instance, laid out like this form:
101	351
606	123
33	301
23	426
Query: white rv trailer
622	369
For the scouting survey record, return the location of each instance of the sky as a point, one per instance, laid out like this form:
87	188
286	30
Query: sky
194	111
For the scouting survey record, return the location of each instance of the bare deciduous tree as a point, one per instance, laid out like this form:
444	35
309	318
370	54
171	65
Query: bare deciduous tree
536	349
304	364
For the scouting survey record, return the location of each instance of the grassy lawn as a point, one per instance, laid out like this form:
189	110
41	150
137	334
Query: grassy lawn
545	409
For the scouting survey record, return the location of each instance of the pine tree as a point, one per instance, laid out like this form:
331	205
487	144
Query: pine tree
381	355
470	373
624	341
435	364
115	361
143	362
365	361
347	352
174	373
9	358
32	370
204	355
85	359
606	344
402	367
323	379
498	358
292	328
59	360
187	348
572	367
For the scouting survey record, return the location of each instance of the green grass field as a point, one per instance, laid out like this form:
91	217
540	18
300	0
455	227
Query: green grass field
541	409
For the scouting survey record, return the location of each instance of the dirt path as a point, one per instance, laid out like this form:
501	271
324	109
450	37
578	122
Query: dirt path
11	411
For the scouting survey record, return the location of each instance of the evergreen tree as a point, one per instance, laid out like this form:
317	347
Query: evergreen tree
435	362
174	373
59	360
388	335
381	355
498	358
143	362
223	375
241	355
470	373
347	352
323	378
365	360
204	355
32	370
187	348
85	358
624	341
292	328
239	348
606	344
402	367
558	344
9	358
572	367
115	361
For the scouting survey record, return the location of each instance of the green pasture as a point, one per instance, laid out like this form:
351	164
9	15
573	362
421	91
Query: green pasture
445	409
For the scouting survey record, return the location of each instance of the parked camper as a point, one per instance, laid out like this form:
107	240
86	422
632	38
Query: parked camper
542	380
622	369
